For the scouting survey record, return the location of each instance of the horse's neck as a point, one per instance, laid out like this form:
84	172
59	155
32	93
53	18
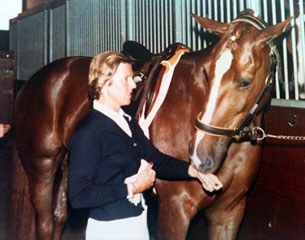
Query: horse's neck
174	123
158	86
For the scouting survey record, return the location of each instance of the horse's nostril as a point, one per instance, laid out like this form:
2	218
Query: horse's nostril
207	165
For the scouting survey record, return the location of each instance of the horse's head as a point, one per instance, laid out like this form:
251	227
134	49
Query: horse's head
239	74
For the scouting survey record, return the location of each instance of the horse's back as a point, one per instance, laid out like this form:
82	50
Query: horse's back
51	102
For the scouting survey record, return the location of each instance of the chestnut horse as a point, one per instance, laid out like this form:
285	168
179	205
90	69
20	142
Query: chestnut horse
223	89
232	77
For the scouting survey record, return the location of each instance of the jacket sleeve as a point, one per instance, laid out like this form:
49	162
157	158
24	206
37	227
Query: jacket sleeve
83	189
166	167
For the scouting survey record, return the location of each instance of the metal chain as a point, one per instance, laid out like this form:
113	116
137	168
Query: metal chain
281	137
285	137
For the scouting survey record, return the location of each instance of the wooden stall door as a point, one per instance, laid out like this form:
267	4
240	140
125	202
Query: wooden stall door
276	204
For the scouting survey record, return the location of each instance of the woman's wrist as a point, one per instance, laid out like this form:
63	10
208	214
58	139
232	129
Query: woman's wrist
134	187
130	190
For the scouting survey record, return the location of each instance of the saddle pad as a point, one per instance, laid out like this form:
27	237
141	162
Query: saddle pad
164	86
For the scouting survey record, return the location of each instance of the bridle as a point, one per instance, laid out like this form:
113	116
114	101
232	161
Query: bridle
243	132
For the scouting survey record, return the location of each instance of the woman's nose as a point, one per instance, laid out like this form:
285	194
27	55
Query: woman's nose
132	83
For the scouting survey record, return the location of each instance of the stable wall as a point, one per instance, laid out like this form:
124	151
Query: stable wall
276	204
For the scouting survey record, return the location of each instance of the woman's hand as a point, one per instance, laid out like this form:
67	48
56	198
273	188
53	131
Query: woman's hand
145	179
209	181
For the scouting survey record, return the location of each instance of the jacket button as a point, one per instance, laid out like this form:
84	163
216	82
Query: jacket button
135	144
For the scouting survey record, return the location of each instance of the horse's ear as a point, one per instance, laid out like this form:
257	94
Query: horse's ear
218	28
273	32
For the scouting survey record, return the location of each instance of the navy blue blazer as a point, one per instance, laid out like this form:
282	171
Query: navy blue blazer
101	156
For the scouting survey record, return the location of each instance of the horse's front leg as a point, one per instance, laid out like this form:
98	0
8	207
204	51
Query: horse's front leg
41	182
224	222
60	210
177	207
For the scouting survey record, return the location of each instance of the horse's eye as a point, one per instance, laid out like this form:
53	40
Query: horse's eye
243	83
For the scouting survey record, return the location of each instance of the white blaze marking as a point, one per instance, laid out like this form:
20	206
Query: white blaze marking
223	64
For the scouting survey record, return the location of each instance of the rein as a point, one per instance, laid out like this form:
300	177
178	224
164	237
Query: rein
243	132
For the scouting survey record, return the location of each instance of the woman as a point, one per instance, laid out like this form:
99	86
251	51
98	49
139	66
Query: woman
111	160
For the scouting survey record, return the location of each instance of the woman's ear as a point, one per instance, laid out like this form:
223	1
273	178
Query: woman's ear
105	85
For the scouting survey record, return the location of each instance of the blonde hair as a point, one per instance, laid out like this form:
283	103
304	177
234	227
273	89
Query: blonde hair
102	67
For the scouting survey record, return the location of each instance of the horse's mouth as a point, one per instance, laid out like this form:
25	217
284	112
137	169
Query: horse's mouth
203	168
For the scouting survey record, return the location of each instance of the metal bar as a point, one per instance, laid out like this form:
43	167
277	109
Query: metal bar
210	13
285	57
215	17
163	23
203	13
265	13
274	14
235	9
229	15
241	5
157	26
222	11
294	51
171	22
301	50
68	36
